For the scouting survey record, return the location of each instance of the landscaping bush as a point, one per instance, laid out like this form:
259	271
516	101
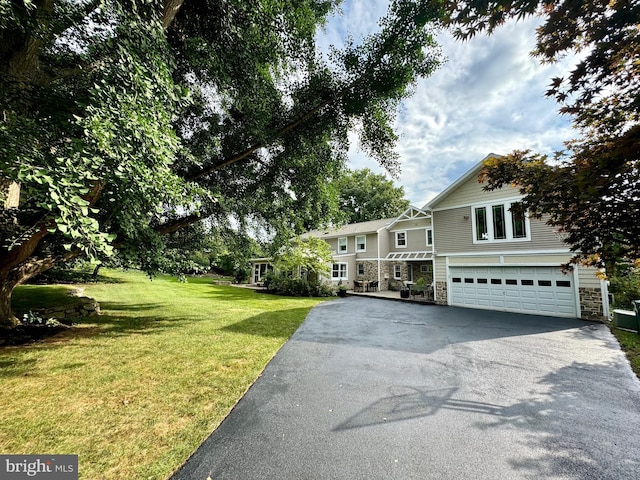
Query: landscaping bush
296	287
625	287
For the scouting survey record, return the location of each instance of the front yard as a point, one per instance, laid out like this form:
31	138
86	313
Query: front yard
134	391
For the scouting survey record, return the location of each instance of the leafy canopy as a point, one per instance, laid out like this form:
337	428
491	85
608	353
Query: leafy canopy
126	120
591	190
365	196
309	254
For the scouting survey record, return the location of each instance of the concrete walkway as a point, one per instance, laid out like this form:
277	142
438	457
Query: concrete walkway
371	389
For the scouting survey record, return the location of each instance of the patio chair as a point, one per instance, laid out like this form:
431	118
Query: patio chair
373	286
357	286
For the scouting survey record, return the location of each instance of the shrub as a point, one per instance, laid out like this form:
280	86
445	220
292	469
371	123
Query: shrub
281	284
625	287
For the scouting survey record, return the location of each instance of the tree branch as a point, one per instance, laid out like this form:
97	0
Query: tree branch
177	224
169	11
244	154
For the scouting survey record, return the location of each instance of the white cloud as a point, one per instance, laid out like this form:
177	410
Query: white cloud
488	97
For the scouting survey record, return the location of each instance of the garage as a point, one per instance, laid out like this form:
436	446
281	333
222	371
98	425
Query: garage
535	290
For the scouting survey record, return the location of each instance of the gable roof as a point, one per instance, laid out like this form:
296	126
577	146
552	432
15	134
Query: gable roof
351	229
411	213
474	171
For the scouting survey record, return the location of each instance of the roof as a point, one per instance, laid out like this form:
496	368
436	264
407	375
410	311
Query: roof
351	229
411	213
474	171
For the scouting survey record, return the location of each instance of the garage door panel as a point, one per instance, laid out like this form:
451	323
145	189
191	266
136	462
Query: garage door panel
543	290
546	295
529	305
564	296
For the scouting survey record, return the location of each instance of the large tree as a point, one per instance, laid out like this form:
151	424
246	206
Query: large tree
591	190
127	120
364	196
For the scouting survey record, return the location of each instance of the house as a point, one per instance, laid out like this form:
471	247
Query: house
475	248
491	255
387	251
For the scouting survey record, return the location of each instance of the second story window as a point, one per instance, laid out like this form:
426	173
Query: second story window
499	225
401	239
500	222
342	245
482	233
429	237
518	220
361	243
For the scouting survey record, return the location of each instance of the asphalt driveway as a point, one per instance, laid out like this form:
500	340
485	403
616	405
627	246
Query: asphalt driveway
375	389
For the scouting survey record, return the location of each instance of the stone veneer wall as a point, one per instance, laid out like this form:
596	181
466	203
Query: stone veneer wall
591	303
370	270
389	268
441	293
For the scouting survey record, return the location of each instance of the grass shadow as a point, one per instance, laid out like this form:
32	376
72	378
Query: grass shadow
276	324
13	366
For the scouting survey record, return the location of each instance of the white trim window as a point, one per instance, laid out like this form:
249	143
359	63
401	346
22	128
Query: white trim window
500	222
397	272
360	267
339	271
429	233
342	245
401	239
361	243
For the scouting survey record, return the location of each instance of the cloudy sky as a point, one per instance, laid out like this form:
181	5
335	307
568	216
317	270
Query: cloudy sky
487	98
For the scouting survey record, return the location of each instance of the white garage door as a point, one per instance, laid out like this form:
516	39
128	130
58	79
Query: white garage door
538	290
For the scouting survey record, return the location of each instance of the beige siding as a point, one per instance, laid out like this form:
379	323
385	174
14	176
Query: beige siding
414	223
453	233
471	192
385	246
350	260
587	278
417	240
439	267
372	247
558	259
333	243
541	259
474	260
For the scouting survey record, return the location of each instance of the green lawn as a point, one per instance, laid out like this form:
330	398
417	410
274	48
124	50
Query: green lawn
630	343
134	391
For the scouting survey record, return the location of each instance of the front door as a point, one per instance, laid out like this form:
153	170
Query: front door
259	269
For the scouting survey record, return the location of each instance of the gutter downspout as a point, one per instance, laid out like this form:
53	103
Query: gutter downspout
379	262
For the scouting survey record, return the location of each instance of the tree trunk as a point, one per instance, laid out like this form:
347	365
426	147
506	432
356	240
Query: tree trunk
7	318
96	270
11	277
